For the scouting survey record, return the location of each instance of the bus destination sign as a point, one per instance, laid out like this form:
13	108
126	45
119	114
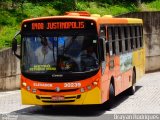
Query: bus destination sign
57	25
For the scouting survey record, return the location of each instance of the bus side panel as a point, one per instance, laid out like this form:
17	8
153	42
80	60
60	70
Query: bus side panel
105	82
139	63
127	80
126	68
114	72
118	76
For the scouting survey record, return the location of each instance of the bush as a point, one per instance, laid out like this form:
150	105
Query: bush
6	36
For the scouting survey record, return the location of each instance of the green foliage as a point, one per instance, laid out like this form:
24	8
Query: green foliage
104	9
64	5
6	35
155	5
37	11
12	12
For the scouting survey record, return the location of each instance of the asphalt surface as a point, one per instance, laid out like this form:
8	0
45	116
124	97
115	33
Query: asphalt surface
145	103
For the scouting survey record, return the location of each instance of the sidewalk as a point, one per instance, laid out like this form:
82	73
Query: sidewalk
10	101
146	99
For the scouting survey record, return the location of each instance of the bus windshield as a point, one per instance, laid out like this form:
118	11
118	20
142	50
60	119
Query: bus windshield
74	53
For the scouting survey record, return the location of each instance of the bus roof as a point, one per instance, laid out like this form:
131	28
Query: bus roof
109	20
61	17
106	19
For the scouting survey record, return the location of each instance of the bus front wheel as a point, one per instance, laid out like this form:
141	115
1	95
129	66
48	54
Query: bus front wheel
111	96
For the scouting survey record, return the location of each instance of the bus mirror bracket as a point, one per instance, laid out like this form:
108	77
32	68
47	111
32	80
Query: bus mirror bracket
14	45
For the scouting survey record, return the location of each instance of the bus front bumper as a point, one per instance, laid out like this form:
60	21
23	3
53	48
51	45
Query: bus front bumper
90	97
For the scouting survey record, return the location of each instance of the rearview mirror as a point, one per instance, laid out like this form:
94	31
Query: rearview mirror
14	45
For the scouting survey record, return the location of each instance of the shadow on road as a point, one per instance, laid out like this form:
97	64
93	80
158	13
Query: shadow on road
80	111
122	97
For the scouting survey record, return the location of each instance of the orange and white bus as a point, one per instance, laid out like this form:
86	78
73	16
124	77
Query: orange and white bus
79	59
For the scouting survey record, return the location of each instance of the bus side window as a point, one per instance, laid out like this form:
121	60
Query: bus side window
113	40
117	40
109	31
141	35
123	39
137	36
132	35
120	39
127	36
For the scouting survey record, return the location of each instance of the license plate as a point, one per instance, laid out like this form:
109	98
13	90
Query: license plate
57	98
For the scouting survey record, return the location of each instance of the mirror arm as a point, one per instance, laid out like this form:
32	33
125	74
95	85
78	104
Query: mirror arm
18	56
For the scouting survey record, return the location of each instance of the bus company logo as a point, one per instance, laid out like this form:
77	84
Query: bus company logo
57	75
42	85
57	89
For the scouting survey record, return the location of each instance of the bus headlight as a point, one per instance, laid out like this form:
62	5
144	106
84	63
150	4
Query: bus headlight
89	87
82	90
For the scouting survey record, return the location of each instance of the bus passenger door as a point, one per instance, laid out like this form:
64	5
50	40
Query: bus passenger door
104	68
114	62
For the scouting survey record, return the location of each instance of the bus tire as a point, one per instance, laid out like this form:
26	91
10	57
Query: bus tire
132	89
111	96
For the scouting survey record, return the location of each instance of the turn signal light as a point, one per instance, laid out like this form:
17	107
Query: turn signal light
95	83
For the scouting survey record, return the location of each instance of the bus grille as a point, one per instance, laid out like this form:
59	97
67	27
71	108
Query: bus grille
64	101
48	99
69	90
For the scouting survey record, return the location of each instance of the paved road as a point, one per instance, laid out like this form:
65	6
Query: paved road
145	101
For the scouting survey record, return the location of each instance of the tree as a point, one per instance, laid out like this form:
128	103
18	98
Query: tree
138	3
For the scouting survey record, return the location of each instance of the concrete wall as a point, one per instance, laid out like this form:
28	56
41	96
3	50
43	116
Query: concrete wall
9	70
152	37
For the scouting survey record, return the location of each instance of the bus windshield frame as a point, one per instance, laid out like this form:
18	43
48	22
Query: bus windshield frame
69	46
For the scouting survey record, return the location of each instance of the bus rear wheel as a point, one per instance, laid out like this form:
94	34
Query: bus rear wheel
132	89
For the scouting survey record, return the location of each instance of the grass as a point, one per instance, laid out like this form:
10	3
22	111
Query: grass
10	18
154	6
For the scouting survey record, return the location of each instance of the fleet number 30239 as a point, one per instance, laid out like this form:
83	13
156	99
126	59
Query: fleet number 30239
75	84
